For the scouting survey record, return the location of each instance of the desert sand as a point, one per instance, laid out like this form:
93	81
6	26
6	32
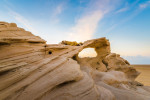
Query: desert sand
30	69
144	76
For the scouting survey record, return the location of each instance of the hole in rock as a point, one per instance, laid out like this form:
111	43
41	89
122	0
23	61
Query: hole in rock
3	73
50	52
65	83
87	52
74	57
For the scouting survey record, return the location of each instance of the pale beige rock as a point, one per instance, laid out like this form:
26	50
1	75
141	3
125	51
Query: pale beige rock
115	62
10	33
30	69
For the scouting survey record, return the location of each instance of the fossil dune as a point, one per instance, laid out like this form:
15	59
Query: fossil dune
30	69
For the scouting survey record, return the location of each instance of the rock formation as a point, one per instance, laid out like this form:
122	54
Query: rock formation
30	69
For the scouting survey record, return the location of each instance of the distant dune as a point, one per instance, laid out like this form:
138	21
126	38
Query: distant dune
144	77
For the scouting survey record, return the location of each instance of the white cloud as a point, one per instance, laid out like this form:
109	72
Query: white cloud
58	9
19	19
135	12
122	10
22	21
85	27
144	5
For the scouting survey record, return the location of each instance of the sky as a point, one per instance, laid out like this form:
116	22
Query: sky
126	23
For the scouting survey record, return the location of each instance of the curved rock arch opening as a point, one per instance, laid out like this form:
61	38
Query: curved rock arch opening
87	52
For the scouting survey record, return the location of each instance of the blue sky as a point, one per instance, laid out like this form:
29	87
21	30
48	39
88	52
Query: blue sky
126	23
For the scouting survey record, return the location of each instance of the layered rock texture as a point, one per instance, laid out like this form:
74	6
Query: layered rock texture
30	69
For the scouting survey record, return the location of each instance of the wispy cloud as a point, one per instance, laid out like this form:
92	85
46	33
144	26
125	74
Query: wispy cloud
144	5
122	10
22	21
18	17
86	26
57	11
135	8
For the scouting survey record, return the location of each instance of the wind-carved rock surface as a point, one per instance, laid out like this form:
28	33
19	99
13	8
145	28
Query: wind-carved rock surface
30	69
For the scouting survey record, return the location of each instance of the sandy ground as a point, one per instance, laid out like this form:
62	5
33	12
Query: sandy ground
144	77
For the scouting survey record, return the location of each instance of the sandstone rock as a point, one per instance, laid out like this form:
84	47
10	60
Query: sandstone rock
115	62
10	33
31	69
74	43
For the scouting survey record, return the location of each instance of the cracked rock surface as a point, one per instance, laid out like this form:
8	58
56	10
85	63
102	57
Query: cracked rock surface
30	69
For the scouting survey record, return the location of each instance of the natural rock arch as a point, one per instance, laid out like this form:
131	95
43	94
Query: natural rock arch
29	72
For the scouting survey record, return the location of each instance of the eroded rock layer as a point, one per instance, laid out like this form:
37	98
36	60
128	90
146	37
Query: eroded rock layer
30	69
